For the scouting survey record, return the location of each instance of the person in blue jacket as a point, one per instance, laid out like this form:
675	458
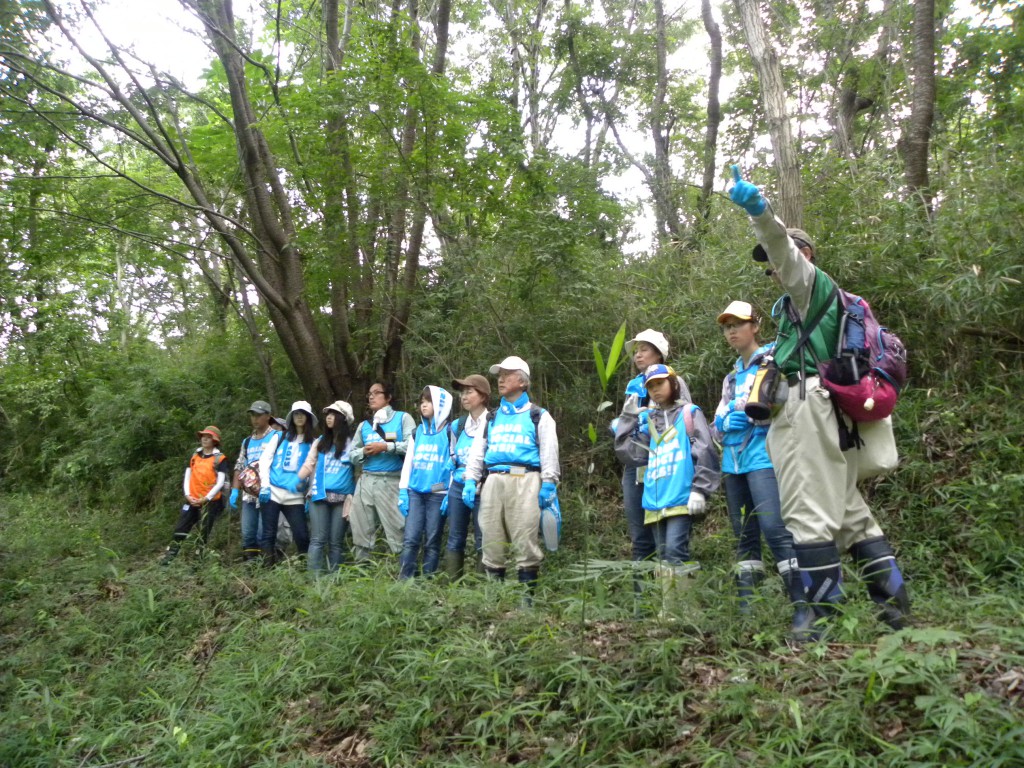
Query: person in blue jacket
379	447
423	487
682	470
282	491
751	489
329	470
474	394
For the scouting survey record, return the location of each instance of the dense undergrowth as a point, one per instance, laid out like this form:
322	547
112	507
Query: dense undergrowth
109	659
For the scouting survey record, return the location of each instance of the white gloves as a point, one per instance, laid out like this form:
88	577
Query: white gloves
696	503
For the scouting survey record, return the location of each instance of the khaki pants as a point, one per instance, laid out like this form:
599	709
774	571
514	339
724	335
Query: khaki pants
817	481
510	516
376	499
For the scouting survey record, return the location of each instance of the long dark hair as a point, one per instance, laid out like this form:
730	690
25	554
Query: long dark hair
309	434
339	435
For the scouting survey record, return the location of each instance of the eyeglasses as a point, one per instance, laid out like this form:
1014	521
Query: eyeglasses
375	392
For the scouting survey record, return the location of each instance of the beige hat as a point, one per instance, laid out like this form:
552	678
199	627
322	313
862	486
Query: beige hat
475	381
741	310
212	432
302	405
511	363
340	406
655	338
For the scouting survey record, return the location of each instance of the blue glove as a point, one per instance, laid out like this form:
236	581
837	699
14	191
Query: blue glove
264	495
403	502
233	499
296	485
746	195
636	387
469	494
736	422
546	497
444	506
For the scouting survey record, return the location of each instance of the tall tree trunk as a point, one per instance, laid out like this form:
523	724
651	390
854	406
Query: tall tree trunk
666	208
789	202
916	142
714	114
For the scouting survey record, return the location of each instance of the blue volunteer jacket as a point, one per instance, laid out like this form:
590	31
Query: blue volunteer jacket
333	473
670	470
383	462
461	452
428	463
288	460
742	450
512	437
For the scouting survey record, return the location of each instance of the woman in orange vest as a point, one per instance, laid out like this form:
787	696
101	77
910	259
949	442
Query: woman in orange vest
205	475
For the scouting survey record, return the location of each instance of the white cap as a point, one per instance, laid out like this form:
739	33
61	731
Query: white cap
655	338
512	363
302	405
741	310
340	406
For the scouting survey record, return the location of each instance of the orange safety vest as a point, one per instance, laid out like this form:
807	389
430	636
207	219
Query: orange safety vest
204	473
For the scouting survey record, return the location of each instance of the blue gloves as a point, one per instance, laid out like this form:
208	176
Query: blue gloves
233	499
403	502
636	387
736	421
746	195
264	495
469	494
547	495
296	485
444	506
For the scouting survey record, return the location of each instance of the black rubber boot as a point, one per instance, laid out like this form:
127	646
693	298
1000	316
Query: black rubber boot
495	574
269	556
169	554
749	574
822	572
528	578
454	564
250	554
876	563
793	580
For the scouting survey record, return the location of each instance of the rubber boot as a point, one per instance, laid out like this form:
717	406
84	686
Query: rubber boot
454	564
822	574
528	578
793	580
480	569
876	563
170	553
361	555
269	555
674	579
250	554
749	574
495	574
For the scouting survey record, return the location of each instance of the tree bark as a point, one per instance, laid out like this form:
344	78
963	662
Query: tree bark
789	200
714	112
666	208
916	142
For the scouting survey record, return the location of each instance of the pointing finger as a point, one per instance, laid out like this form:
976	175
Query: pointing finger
736	173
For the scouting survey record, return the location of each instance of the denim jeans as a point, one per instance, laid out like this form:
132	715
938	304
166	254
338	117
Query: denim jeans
295	514
327	526
642	536
458	521
424	522
252	525
672	535
754	508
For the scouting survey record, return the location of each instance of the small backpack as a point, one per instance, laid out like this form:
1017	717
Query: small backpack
249	477
869	367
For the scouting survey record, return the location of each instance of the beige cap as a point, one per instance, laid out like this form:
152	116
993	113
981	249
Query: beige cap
474	381
741	310
655	338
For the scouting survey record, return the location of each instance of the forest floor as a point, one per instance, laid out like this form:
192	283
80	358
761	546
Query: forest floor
109	659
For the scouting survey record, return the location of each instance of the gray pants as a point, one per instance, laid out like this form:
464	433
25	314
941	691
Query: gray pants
376	501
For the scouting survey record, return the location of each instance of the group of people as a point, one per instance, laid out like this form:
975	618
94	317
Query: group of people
787	477
413	479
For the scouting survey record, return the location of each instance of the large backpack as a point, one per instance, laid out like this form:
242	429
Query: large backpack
869	367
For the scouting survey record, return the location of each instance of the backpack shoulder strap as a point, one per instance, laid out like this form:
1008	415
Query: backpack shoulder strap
807	329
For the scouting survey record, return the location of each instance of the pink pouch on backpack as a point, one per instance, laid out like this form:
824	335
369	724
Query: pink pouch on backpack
871	399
